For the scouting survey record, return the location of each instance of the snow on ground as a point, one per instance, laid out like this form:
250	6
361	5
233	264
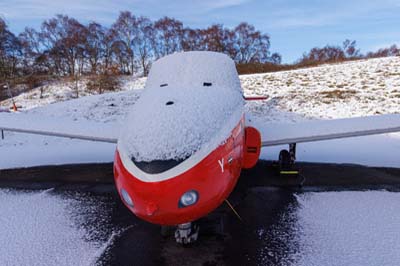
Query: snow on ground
63	91
350	89
40	228
358	88
339	228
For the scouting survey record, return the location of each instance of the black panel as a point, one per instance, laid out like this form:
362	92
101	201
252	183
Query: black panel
157	166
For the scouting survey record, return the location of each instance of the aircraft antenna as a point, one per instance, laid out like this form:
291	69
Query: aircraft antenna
234	211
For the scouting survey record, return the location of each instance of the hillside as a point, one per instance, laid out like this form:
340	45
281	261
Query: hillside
356	88
63	91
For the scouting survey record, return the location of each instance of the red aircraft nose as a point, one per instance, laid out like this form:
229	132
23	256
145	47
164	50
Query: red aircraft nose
189	195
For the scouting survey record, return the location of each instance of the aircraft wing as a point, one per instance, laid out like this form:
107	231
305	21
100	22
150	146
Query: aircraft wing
59	127
277	134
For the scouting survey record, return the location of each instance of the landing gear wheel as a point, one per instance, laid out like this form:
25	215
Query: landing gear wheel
285	161
287	166
187	233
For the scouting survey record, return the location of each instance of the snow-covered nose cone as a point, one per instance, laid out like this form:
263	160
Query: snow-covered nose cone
191	99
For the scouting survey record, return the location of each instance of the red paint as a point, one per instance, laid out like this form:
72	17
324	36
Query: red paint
157	202
256	98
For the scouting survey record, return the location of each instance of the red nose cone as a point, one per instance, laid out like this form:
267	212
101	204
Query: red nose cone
213	177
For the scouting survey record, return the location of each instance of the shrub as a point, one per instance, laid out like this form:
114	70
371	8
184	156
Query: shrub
103	82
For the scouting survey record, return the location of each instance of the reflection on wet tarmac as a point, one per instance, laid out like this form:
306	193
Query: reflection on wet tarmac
267	236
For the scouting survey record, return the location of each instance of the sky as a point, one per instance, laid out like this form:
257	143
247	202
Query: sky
294	26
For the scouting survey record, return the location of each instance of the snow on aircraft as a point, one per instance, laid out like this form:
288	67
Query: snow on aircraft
181	150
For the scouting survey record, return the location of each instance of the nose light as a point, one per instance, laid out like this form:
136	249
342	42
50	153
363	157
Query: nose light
126	198
188	198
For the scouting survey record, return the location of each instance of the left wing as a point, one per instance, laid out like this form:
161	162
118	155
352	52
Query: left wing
309	131
59	127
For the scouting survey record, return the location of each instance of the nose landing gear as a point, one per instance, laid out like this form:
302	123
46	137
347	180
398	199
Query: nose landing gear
187	233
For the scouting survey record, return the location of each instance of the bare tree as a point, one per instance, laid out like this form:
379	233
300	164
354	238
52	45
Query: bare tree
63	39
122	56
65	47
329	53
218	39
34	61
144	43
275	58
250	45
191	39
95	46
350	50
168	37
125	29
10	52
383	52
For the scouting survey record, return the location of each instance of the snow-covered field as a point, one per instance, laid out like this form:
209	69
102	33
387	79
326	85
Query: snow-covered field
358	88
43	228
63	91
351	89
338	228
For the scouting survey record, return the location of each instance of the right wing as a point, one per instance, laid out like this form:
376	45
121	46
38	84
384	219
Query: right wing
277	134
59	127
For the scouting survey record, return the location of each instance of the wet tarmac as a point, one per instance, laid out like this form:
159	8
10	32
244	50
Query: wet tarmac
224	239
267	205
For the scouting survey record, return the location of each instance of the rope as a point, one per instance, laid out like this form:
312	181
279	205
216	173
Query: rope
234	211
